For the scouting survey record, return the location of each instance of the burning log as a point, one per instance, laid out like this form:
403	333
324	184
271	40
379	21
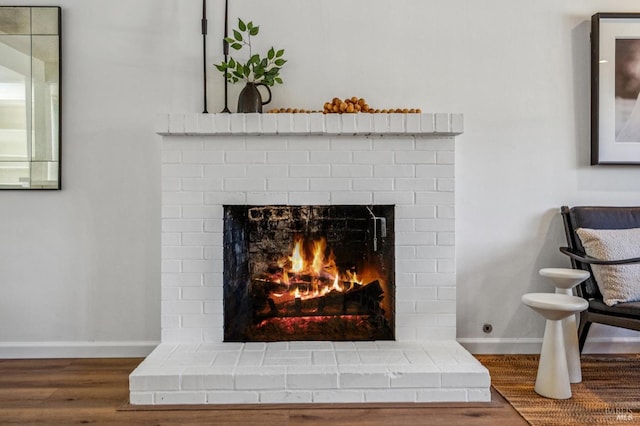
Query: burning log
359	300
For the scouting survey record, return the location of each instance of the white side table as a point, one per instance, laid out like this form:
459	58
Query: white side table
552	380
565	280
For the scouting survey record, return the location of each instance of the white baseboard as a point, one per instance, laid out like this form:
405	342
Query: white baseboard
598	345
103	349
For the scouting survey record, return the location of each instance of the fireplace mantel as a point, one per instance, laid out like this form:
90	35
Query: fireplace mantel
424	124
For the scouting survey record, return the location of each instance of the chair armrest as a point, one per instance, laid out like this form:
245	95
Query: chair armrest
581	257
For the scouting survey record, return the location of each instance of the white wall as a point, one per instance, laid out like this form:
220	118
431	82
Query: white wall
82	265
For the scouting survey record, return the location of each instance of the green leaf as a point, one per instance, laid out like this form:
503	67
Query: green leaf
232	63
238	75
278	80
241	25
255	59
280	62
279	53
254	31
221	67
246	71
237	35
249	25
229	40
236	46
264	63
271	54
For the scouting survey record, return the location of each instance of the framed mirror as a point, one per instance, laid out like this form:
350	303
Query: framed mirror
30	97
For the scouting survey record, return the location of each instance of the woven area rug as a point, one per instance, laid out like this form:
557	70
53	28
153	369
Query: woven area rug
608	395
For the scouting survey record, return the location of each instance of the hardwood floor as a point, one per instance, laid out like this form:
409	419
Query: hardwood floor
95	391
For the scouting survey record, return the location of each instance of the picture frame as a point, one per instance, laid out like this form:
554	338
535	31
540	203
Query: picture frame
615	89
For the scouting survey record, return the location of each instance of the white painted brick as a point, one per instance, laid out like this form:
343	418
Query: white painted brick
436	170
222	123
171	198
260	378
415	238
226	197
457	123
427	123
350	197
170	293
191	123
201	184
181	397
182	143
288	157
446	320
332	124
218	397
205	123
141	398
405	225
312	380
394	395
203	157
445	184
393	171
216	252
445	157
393	197
269	197
225	143
238	123
479	395
301	123
436	306
434	279
435	252
225	170
316	123
446	239
198	293
171	239
373	184
351	143
416	320
352	170
442	123
181	307
396	123
415	157
413	123
244	157
338	396
442	395
330	157
195	321
466	379
348	124
371	379
171	212
301	198
373	157
182	279
266	143
171	184
268	170
435	225
269	123
429	198
394	144
287	184
364	123
445	212
181	225
170	321
284	123
310	170
198	212
200	266
330	184
380	123
181	252
309	143
416	211
285	397
245	184
253	123
416	293
446	265
168	266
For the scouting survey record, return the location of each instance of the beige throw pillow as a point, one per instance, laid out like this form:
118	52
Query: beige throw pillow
617	283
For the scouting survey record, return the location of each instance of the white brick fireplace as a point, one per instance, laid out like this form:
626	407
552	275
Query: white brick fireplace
211	160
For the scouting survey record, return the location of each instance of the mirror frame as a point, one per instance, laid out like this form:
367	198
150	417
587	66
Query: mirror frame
29	125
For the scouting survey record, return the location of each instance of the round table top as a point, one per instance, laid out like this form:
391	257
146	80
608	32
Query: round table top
565	278
554	306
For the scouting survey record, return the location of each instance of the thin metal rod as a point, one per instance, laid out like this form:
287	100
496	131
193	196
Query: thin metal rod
204	52
225	50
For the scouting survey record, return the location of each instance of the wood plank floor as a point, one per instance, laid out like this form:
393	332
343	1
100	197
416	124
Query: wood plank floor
95	391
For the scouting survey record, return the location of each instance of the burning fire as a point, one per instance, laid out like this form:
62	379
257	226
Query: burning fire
311	273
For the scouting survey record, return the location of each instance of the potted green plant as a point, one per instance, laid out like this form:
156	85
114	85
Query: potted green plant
256	71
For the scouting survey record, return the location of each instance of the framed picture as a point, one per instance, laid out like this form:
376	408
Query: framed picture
615	88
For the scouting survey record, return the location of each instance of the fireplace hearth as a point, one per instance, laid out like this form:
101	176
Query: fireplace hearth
308	273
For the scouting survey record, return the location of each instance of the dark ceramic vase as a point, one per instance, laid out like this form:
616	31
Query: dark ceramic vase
250	99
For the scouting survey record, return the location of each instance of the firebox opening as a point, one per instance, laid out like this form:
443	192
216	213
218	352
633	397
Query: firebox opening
308	273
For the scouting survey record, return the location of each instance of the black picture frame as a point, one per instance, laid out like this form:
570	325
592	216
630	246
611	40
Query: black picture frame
615	91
